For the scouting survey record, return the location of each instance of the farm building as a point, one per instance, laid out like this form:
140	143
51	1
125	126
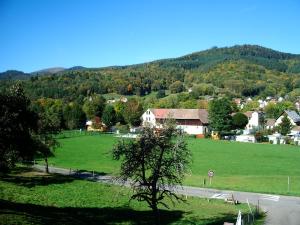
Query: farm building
95	125
191	121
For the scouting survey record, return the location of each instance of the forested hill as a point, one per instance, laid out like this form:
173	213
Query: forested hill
242	70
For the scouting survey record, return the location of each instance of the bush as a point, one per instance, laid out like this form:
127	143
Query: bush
260	137
123	129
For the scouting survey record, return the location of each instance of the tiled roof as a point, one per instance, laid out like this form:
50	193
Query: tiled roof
293	115
248	114
270	122
192	114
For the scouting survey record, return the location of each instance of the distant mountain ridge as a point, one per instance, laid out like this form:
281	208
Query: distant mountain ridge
241	70
52	70
196	59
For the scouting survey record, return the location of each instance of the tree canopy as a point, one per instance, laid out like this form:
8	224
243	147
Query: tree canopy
17	122
220	119
154	162
239	120
285	126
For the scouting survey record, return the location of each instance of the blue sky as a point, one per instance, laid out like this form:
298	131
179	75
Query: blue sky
38	34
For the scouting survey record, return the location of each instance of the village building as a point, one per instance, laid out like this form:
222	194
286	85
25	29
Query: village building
297	105
122	99
295	131
191	121
291	115
254	121
270	124
95	125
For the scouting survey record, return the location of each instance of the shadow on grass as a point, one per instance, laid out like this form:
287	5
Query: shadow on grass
216	220
28	177
19	213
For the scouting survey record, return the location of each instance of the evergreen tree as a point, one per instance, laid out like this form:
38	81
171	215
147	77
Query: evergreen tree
285	126
220	119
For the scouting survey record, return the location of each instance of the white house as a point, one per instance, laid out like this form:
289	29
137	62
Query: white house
291	115
262	103
254	120
295	131
191	121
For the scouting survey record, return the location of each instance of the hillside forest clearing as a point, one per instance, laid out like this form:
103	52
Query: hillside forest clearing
237	166
30	197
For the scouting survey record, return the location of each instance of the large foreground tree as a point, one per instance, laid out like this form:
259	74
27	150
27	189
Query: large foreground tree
49	125
154	163
17	122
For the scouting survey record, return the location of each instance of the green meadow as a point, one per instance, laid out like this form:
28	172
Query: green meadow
30	197
237	166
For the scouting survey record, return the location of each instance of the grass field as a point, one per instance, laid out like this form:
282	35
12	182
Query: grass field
237	166
29	197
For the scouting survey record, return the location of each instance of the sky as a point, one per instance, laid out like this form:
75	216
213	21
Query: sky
39	34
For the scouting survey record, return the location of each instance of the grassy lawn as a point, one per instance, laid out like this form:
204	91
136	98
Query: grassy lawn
237	166
29	197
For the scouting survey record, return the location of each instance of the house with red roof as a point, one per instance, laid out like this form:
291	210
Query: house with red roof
191	121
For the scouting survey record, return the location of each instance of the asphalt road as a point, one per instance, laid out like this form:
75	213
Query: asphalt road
280	210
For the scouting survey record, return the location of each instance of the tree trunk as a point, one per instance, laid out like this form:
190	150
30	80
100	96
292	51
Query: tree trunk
154	205
155	214
46	165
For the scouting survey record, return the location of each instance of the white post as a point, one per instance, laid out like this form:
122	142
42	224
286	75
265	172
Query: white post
288	183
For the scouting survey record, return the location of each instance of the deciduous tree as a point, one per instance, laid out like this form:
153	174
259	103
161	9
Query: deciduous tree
239	120
154	163
17	122
109	116
133	112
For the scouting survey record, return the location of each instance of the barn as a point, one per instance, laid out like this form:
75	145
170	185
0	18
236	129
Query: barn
191	121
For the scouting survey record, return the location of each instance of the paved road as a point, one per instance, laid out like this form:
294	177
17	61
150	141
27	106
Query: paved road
281	210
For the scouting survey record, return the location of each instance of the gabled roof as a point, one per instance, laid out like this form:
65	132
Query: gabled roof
248	114
293	115
181	114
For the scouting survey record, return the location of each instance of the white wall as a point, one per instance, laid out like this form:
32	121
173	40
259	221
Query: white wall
245	138
148	118
253	121
190	129
279	120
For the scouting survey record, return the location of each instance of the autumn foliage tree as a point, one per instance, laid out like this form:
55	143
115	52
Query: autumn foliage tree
133	112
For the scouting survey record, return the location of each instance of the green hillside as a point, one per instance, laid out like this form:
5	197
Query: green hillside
242	70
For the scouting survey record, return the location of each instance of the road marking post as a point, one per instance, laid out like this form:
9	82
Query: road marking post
288	183
210	175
